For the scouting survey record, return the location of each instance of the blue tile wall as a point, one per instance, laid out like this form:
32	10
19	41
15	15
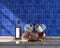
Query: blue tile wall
29	11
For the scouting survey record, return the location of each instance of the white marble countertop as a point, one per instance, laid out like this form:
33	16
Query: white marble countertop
10	40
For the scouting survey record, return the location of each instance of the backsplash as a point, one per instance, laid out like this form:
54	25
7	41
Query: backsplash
29	12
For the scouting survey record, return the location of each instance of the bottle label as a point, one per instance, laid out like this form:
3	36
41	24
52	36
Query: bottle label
17	32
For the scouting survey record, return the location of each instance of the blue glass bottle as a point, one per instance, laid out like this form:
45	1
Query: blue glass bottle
18	30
